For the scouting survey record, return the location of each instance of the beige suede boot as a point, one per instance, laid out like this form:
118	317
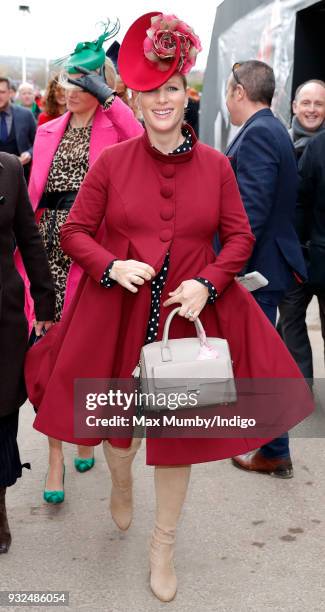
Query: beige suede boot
171	485
119	461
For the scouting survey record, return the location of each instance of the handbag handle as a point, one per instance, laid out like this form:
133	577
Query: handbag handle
165	350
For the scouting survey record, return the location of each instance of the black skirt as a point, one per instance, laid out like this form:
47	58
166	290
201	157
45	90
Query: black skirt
10	464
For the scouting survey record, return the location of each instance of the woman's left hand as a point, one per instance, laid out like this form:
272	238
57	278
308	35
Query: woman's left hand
192	296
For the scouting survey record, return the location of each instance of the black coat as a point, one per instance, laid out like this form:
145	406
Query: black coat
192	114
17	226
311	208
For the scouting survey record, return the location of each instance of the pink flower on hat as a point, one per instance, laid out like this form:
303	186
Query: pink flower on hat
163	37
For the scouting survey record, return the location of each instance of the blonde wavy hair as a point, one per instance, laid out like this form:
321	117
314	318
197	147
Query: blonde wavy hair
110	73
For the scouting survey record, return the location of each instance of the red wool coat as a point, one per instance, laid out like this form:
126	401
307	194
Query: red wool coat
152	203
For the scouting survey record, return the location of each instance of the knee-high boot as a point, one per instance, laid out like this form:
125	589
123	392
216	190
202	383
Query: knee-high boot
171	484
5	535
119	461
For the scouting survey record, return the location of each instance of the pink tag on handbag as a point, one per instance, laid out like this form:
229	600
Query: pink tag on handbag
206	351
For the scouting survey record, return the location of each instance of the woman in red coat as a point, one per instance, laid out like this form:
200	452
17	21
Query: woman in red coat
145	245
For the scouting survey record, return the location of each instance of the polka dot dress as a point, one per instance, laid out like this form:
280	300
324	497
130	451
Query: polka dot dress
160	280
157	286
186	145
158	283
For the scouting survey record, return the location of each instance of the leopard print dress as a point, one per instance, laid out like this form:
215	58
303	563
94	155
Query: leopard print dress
67	172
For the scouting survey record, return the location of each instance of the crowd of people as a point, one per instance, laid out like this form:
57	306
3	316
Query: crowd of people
117	228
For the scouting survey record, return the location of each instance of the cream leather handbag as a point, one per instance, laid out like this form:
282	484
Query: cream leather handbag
186	372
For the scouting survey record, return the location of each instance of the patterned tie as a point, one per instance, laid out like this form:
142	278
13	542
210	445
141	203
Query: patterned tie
3	127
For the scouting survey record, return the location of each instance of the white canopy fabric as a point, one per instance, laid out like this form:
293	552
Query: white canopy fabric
253	29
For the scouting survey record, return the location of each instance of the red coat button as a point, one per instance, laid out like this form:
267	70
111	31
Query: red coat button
166	235
168	170
166	213
166	191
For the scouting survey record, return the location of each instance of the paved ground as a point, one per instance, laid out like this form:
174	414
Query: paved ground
246	542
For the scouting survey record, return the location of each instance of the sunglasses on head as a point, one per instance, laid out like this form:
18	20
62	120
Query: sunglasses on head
234	69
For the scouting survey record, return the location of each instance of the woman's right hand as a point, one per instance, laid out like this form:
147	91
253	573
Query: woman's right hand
130	273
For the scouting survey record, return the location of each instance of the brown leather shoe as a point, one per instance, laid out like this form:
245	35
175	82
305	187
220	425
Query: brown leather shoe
5	535
256	462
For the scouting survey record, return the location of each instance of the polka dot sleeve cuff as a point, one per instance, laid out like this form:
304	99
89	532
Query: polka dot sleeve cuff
212	291
106	281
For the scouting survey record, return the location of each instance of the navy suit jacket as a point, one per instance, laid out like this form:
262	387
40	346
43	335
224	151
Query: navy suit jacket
25	128
263	159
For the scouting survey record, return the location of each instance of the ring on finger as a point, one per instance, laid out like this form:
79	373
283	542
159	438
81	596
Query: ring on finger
190	313
135	278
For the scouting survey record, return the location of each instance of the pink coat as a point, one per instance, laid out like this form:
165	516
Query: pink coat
109	127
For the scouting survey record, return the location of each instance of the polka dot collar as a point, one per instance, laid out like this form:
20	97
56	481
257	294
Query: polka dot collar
178	157
186	145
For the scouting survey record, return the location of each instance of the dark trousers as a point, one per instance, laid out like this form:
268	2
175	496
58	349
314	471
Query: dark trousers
292	325
269	301
10	464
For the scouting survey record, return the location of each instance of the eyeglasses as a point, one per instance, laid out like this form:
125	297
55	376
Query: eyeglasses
235	67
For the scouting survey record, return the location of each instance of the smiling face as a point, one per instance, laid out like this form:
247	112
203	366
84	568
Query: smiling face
309	107
163	108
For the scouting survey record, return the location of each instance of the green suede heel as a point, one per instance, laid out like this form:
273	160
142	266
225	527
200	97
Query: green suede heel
83	465
54	497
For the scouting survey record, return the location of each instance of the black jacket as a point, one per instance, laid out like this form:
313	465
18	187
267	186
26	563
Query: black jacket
311	208
18	226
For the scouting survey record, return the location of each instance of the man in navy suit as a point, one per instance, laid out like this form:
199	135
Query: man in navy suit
17	127
264	162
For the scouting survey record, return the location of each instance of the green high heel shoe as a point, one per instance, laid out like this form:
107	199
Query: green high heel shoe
83	465
54	497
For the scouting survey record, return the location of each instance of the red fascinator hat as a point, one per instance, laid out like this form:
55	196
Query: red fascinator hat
155	47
